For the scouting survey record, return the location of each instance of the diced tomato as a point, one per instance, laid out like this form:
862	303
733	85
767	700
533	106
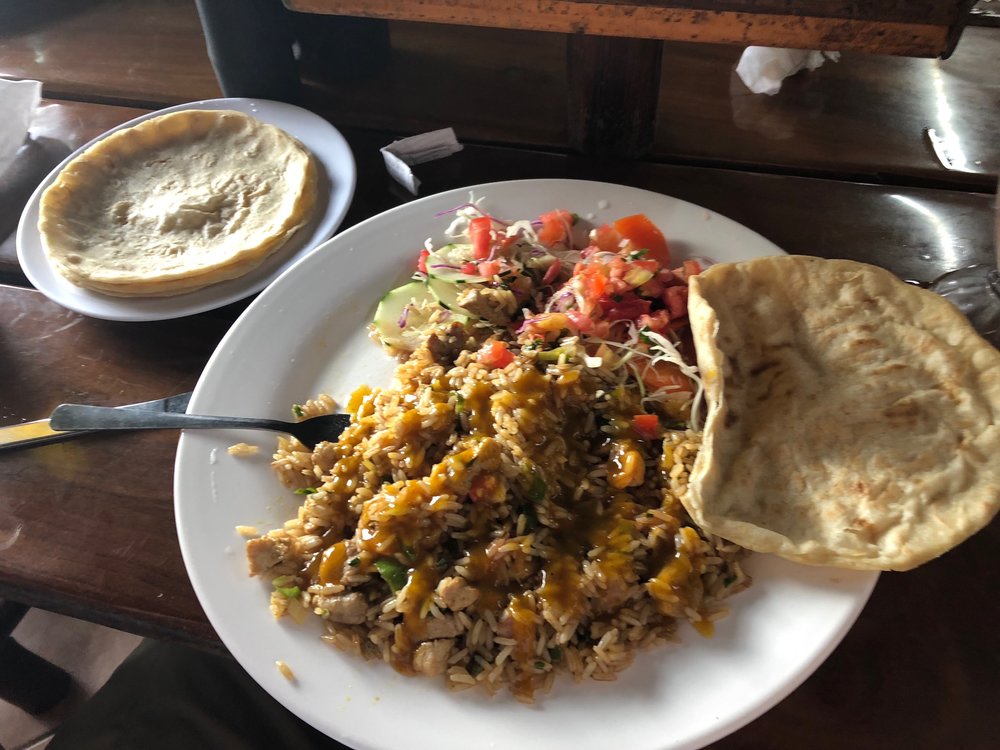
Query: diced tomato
602	329
628	307
582	323
643	234
666	375
422	261
489	268
502	243
606	238
647	426
552	272
657	322
653	289
557	227
617	267
691	268
593	281
596	284
470	269
676	298
495	354
668	277
479	233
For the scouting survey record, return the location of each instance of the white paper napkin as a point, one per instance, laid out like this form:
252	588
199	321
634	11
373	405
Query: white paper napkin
18	101
763	69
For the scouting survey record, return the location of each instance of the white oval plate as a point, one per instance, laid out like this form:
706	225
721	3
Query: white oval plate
306	334
336	188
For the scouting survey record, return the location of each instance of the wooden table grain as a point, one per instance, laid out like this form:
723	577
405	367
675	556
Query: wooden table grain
865	118
886	26
149	53
86	526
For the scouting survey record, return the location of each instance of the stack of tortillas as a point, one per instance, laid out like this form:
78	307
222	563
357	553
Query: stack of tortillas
854	419
176	203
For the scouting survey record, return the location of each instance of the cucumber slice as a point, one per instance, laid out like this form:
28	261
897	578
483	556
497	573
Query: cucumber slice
414	305
447	296
445	264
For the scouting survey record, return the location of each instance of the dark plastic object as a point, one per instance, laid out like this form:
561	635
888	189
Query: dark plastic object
26	679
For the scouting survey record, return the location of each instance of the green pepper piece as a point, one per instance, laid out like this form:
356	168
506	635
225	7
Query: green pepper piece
551	355
393	572
538	488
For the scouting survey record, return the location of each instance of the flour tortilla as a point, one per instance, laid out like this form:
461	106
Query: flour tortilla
176	203
852	418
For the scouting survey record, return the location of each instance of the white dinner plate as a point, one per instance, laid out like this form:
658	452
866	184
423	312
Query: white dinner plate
306	334
336	175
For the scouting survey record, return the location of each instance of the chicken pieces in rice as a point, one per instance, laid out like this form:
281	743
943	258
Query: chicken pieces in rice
498	306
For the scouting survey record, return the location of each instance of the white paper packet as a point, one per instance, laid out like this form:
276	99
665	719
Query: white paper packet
400	155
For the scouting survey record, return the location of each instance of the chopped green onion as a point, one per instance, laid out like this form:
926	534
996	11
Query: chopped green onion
539	664
551	355
298	411
555	653
305	491
459	402
393	572
354	562
729	581
637	254
474	667
538	488
282	581
289	592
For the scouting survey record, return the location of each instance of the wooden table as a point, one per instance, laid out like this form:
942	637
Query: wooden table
86	527
611	106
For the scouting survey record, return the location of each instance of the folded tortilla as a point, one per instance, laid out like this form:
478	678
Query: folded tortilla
852	418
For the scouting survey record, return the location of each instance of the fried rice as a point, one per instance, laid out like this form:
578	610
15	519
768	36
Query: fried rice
495	525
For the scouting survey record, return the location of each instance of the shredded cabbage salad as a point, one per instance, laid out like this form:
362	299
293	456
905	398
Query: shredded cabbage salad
607	297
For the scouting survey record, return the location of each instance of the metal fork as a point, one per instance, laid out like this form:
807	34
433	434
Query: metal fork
81	417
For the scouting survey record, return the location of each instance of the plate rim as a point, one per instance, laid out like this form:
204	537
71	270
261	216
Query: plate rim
358	738
342	188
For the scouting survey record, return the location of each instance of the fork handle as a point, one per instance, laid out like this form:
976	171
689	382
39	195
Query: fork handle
83	417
